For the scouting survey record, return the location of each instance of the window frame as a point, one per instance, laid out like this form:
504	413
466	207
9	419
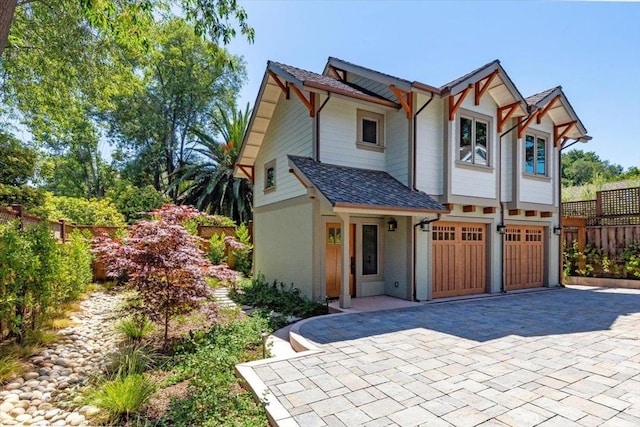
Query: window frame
267	166
380	135
474	117
536	136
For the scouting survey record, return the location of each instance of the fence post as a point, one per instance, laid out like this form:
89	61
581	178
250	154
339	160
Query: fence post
598	207
63	233
18	208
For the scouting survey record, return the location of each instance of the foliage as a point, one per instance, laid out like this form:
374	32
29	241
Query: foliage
208	360
217	249
208	220
131	359
133	202
10	366
17	162
598	263
83	211
182	78
134	327
579	168
240	249
37	275
123	396
278	297
208	181
30	198
162	262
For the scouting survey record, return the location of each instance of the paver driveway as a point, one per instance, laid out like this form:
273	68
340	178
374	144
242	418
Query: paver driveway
558	357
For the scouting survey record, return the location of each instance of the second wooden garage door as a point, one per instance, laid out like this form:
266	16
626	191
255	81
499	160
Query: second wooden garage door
524	257
459	259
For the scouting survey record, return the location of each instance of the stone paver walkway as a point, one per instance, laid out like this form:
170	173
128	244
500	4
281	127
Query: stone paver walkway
561	357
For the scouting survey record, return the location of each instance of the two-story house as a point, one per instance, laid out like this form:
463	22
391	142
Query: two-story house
368	184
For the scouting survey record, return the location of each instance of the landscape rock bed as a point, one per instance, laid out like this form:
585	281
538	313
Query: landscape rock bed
45	395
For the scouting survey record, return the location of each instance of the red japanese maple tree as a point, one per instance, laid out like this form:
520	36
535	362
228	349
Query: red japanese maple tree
162	262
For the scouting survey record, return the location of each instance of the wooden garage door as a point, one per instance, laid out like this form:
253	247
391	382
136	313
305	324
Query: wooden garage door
459	263
524	257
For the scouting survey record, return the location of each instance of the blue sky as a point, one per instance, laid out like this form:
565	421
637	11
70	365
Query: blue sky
592	49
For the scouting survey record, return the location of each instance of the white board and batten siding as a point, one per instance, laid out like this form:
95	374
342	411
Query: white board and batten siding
338	135
467	181
534	189
290	132
430	147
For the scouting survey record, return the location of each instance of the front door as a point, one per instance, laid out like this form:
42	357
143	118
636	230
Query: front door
333	259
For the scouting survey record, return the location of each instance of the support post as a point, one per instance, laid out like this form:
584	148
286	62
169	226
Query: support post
345	292
63	234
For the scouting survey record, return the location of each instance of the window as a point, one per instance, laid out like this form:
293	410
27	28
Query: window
473	141
270	176
369	249
370	130
535	155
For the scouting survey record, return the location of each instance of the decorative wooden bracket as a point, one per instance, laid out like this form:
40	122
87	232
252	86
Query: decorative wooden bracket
405	98
309	103
248	171
284	86
546	109
523	126
481	87
455	105
340	74
510	110
560	131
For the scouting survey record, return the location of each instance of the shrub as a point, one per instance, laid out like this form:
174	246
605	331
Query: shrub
135	327
123	396
217	249
241	250
82	211
76	272
30	198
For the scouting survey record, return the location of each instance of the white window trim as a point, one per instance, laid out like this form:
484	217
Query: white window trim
536	134
473	116
379	119
269	165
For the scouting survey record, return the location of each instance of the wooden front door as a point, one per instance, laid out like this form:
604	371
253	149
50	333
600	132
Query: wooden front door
333	259
524	257
459	259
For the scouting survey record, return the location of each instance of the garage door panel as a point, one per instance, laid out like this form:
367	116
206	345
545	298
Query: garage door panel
524	257
459	260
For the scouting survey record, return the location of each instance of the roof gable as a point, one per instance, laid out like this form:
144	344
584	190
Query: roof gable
554	103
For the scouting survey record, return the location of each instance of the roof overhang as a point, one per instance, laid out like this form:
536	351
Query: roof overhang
556	105
367	72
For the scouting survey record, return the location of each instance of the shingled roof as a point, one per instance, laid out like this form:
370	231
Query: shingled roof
534	99
452	83
353	187
309	77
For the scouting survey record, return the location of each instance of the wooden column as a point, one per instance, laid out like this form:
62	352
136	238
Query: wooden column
345	292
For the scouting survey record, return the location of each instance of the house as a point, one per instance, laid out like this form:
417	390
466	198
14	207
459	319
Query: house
368	184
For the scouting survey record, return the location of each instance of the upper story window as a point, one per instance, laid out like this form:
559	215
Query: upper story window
473	139
270	176
535	155
370	130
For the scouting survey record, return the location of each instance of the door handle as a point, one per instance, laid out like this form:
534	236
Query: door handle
353	265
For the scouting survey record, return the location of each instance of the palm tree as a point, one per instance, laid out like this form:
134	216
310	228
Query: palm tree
209	185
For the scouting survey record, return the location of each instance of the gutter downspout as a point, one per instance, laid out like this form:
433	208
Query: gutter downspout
414	188
503	289
317	135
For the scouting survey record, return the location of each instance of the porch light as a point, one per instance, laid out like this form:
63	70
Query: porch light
392	224
501	229
557	230
424	226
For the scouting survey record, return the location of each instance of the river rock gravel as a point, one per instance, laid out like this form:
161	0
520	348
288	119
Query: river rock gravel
45	394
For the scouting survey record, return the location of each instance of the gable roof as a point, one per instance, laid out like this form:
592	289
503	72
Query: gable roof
560	112
366	72
354	188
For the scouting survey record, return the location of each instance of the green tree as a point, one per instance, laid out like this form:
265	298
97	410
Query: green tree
208	183
184	78
134	202
17	161
579	168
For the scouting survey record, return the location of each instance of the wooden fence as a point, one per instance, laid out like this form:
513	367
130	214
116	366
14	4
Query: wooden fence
610	207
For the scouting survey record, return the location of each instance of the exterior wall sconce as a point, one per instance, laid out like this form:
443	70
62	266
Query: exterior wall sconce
557	230
424	226
501	229
392	224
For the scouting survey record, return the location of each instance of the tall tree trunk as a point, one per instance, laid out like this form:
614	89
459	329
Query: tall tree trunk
7	10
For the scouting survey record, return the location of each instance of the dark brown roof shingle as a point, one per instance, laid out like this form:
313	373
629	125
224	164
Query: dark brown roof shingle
534	99
363	187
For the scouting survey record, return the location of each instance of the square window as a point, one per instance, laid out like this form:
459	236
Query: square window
370	130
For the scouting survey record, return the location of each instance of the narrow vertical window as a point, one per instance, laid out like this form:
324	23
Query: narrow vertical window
541	158
369	249
466	129
270	176
529	154
481	144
